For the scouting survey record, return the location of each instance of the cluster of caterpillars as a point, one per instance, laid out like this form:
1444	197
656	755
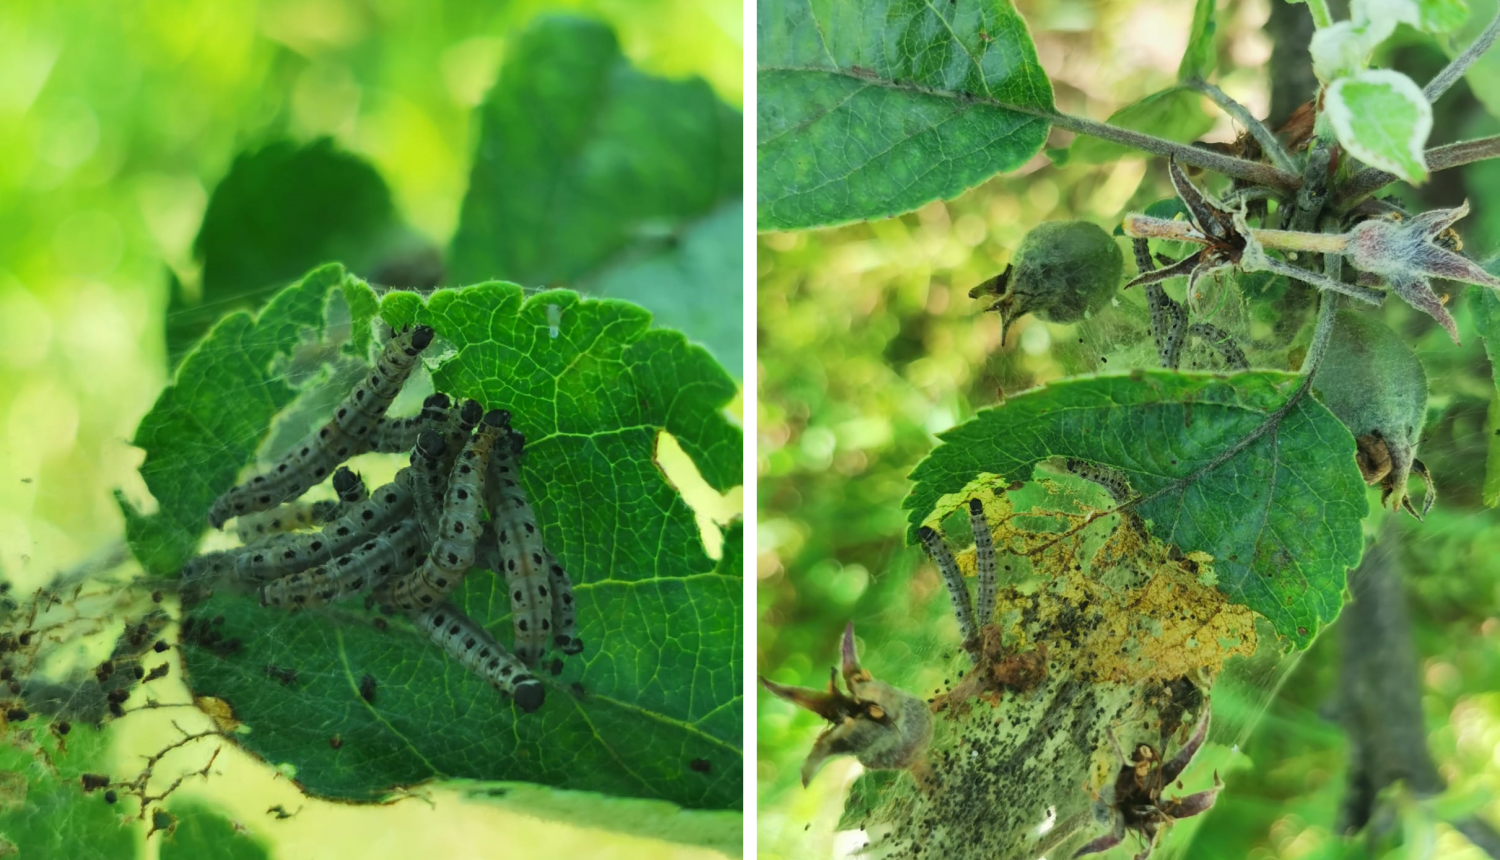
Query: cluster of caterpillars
409	544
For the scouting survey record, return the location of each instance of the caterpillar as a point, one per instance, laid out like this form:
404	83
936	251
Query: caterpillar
476	649
285	517
984	561
524	560
310	462
295	515
459	526
354	572
507	497
958	590
289	552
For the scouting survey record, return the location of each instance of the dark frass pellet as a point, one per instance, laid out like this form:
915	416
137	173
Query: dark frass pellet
110	796
92	781
367	688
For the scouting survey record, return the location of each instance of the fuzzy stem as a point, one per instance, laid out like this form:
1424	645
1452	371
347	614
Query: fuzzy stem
1370	180
1150	227
1268	142
1239	168
1328	310
1455	70
1320	14
1293	240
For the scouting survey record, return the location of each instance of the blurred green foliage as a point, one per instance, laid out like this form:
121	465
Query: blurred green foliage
869	345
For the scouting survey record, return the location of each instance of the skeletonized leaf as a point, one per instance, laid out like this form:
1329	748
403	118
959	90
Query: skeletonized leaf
1281	518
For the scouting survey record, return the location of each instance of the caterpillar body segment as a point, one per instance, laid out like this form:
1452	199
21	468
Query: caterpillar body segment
355	572
429	477
958	590
285	517
291	552
478	651
312	460
984	562
522	556
564	614
459	526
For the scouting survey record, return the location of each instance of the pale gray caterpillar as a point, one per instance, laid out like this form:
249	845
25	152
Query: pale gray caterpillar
1111	479
958	590
459	526
984	561
309	462
291	552
524	559
476	649
367	566
285	517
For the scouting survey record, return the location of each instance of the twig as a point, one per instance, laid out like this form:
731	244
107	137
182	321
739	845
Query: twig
1268	142
1481	835
1461	63
1239	168
1370	180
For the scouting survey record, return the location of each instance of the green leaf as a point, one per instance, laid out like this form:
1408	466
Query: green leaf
1199	59
1382	118
696	286
1281	517
583	161
1442	16
1175	113
43	810
652	707
717	830
867	110
208	424
202	831
280	211
1486	308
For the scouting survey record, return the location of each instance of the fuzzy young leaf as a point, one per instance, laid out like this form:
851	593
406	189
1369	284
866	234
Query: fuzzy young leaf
44	811
1382	118
1252	512
202	831
873	109
592	385
1442	16
1175	113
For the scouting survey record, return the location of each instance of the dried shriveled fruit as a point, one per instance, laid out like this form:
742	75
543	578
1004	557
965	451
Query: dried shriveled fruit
881	726
1063	271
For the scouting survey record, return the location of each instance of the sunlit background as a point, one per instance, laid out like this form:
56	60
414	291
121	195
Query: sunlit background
116	122
869	345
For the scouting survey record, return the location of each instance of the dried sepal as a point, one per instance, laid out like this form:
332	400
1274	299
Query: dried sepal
881	726
1405	255
1134	801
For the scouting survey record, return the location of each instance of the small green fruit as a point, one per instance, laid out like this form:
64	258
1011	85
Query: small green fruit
1063	272
1374	383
